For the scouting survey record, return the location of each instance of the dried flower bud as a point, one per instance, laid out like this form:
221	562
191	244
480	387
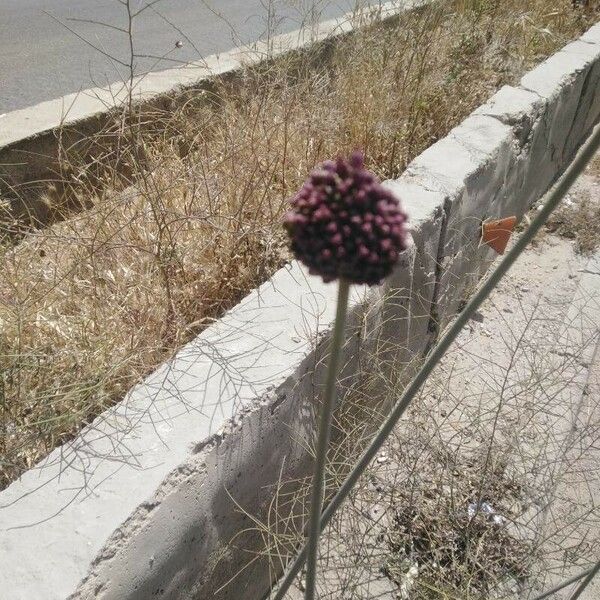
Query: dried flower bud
344	223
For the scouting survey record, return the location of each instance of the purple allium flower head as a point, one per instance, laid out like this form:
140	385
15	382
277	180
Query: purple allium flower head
344	223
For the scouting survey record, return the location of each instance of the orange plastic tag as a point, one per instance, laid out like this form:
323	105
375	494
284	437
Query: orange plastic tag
497	233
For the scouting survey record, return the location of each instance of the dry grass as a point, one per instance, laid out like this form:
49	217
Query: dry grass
460	550
179	210
580	221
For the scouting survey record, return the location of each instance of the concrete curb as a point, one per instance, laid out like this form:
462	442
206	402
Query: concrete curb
145	502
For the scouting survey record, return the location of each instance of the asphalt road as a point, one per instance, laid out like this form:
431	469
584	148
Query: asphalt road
49	48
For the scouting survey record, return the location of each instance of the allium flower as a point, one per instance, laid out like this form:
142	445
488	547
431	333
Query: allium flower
344	223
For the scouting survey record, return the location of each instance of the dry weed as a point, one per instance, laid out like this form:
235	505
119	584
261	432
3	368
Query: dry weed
579	222
170	216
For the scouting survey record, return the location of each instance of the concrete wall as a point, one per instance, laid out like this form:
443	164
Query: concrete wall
145	501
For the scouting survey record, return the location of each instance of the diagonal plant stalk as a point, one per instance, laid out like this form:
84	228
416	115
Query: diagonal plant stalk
567	582
588	579
318	483
551	202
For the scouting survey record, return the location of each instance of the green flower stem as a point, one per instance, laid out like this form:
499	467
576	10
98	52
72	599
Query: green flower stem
318	483
551	201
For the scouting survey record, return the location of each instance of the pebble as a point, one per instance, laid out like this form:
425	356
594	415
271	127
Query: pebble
375	513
